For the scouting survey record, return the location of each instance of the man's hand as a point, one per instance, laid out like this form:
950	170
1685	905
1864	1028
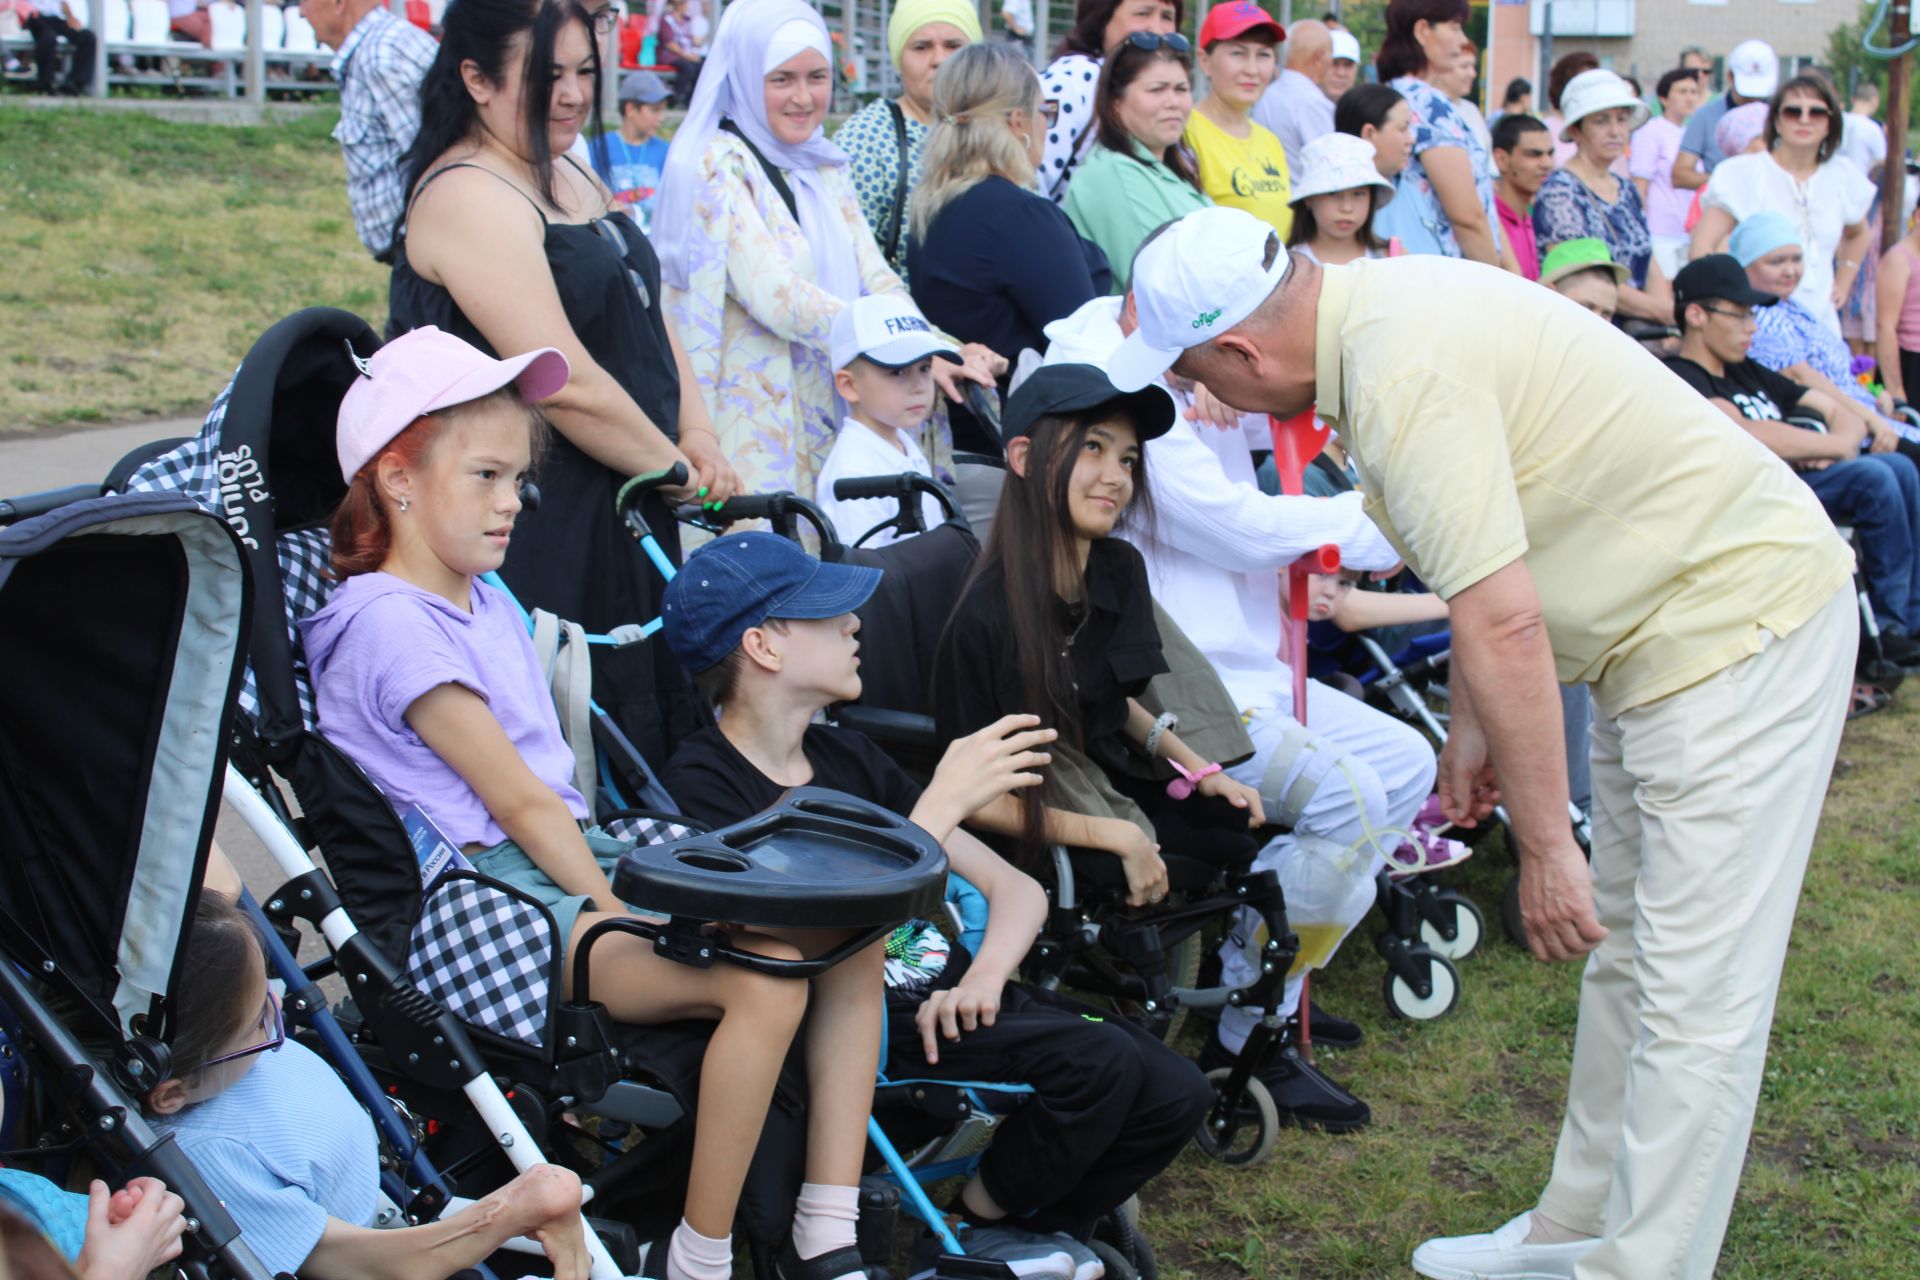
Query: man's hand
1556	901
1140	856
1468	791
1238	794
981	767
945	1014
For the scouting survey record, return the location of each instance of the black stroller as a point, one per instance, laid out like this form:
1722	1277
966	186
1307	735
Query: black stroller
120	630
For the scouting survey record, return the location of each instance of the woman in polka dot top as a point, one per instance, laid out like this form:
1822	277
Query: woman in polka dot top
1069	80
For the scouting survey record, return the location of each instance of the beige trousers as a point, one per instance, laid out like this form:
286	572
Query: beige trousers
1705	804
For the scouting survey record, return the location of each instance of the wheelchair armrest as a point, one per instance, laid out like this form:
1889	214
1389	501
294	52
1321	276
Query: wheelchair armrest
905	728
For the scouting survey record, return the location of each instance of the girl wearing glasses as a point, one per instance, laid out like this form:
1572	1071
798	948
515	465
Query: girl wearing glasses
1069	80
993	262
1140	174
1801	176
293	1156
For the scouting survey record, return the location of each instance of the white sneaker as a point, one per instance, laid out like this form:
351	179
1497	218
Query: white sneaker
1502	1254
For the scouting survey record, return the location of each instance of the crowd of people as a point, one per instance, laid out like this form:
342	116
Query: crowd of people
1135	278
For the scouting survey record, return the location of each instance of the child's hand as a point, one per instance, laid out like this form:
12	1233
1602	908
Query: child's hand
1140	856
1237	794
945	1013
981	767
144	1235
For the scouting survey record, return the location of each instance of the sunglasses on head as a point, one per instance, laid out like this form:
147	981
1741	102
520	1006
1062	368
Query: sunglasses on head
1152	41
1804	111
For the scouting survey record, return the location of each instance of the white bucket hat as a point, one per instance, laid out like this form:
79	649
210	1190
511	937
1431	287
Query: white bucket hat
1595	91
1338	162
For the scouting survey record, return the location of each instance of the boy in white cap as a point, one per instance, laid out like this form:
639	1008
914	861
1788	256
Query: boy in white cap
883	351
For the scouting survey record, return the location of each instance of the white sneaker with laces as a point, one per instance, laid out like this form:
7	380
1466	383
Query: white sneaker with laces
1501	1254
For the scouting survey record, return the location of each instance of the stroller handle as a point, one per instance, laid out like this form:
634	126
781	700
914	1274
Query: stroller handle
25	507
628	499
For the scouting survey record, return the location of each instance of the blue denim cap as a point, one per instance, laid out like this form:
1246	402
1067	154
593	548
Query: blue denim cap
739	580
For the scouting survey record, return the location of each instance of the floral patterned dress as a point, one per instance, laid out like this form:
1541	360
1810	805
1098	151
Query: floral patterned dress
1438	123
756	327
1568	209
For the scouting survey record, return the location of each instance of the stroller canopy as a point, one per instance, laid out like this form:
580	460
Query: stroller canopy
121	632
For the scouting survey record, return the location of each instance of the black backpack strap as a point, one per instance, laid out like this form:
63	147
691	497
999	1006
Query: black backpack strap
890	242
778	179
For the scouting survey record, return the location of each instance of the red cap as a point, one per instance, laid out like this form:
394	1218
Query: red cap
1230	21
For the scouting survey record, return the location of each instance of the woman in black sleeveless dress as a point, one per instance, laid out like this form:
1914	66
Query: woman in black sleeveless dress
511	244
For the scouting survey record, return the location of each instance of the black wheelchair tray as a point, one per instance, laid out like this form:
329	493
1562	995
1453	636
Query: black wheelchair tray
819	859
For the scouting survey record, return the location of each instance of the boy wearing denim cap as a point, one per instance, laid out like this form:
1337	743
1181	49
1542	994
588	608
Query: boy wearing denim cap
769	635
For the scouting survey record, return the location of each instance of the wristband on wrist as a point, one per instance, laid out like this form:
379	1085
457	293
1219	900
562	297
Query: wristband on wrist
1166	721
1183	786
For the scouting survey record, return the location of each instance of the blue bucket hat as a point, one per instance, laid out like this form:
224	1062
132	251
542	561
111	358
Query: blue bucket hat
1760	234
738	581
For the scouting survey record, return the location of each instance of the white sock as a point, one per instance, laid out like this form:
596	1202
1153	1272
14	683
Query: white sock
824	1218
692	1256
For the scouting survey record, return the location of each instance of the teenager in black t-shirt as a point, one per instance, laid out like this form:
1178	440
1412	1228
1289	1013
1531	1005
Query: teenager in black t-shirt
1877	492
1111	1105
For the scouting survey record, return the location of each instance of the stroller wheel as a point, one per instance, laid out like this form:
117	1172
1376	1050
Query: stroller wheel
1121	1246
1247	1136
1469	927
1119	1267
1510	913
1444	980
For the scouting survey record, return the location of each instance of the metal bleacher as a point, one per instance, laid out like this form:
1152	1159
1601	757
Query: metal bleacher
142	50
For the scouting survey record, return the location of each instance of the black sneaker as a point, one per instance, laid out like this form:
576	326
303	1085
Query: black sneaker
1328	1029
1901	650
1301	1091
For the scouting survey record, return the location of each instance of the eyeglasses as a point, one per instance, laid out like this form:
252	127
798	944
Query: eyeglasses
272	1024
1153	41
1050	112
1803	111
1737	313
604	20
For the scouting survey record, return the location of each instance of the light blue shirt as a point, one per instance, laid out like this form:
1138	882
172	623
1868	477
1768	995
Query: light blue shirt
285	1149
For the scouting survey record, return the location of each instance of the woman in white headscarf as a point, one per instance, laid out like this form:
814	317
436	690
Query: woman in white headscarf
762	242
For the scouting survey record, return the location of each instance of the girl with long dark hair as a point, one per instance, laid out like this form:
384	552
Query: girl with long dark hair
1450	179
510	244
1140	175
1069	80
1057	621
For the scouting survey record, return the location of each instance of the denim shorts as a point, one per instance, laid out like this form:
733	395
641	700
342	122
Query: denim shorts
508	863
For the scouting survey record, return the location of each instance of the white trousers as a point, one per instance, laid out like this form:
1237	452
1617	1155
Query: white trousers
1705	804
1392	768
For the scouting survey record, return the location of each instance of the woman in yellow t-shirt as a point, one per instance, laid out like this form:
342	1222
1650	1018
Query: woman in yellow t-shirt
1241	163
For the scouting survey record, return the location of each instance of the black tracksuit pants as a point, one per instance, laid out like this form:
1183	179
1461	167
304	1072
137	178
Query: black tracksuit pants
1111	1106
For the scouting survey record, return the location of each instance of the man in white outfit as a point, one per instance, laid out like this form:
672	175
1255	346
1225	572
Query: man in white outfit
1352	779
1708	604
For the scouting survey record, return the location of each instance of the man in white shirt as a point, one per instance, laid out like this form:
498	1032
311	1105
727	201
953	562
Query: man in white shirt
1294	106
50	22
1017	15
1218	550
1862	140
1343	70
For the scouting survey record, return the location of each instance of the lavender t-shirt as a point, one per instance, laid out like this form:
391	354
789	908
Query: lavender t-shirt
381	643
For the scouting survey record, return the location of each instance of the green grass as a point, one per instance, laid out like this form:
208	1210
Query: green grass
1467	1108
146	256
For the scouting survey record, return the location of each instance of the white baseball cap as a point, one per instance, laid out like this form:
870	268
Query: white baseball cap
1755	69
1193	282
1345	45
888	330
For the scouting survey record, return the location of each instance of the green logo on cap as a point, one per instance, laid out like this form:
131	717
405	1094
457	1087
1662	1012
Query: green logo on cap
1206	319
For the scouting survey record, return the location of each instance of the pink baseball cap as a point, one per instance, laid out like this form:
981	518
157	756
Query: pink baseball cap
425	370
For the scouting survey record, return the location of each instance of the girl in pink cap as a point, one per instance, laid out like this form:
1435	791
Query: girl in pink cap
426	677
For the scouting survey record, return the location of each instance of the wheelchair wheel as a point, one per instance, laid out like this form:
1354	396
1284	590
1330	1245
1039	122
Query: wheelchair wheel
1510	918
1469	927
1408	1003
1249	1136
1126	1253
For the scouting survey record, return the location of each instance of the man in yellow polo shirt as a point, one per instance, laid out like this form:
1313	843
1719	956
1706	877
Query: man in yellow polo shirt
1586	516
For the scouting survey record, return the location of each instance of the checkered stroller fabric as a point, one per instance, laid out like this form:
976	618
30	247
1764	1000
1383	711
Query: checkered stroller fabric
202	471
487	954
